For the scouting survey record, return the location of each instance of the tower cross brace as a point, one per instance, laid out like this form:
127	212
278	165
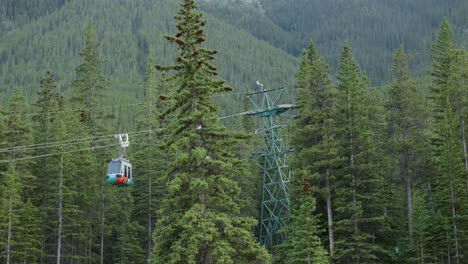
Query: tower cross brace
274	164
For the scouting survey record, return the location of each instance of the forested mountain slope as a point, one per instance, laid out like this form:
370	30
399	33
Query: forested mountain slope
47	34
128	31
374	28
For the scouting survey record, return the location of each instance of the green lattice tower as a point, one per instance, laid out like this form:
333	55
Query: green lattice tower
274	163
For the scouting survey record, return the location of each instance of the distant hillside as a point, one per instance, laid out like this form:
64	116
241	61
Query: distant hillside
256	39
374	28
128	31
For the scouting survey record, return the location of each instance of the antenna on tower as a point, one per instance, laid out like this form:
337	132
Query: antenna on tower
261	85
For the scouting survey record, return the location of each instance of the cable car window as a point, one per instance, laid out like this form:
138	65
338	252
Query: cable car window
125	171
114	167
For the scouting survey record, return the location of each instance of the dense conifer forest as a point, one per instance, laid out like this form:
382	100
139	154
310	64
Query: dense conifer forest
377	131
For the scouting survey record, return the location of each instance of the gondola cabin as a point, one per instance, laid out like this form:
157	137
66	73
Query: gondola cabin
119	172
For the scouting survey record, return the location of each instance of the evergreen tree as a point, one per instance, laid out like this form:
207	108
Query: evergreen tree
124	245
20	227
200	219
18	132
405	124
29	240
60	210
89	92
90	84
457	85
304	244
314	137
47	104
448	115
450	187
150	161
422	219
47	107
442	53
442	61
11	204
360	202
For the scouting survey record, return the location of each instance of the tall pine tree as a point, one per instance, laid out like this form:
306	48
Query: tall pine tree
19	222
314	142
451	188
46	105
90	84
360	202
150	161
200	219
405	128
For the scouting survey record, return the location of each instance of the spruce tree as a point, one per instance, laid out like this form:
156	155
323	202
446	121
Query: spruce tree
46	105
450	187
303	244
18	133
360	202
150	161
29	247
20	222
200	219
448	98
314	140
442	60
89	92
60	207
11	204
123	245
90	83
422	220
405	124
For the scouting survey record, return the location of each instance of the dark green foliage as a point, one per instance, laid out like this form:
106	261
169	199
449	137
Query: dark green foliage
124	245
90	83
127	32
442	53
315	144
360	202
450	187
11	205
47	107
20	222
374	27
29	234
406	144
304	244
18	132
200	219
149	159
359	164
18	126
448	98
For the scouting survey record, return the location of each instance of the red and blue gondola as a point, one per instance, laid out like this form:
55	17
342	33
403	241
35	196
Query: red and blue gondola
119	172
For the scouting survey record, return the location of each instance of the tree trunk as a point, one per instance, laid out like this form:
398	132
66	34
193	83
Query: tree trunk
102	223
351	153
60	216
465	151
454	220
10	215
409	207
150	222
150	191
330	217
